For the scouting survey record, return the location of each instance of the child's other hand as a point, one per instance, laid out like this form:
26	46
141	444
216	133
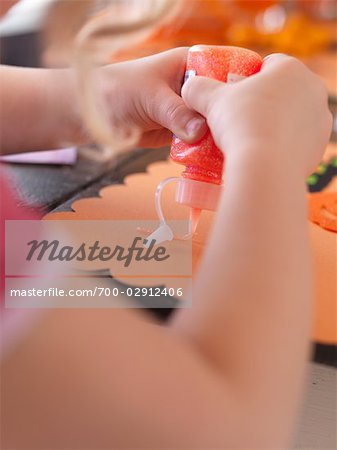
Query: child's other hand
147	95
280	114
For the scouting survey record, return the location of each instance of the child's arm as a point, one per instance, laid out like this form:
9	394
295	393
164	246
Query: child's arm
40	108
227	373
253	297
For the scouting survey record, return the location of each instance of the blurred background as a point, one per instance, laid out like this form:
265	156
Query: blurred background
299	27
39	33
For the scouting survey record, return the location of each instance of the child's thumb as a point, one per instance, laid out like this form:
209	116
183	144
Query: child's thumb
199	93
172	113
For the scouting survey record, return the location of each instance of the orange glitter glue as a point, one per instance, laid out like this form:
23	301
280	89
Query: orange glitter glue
204	161
200	185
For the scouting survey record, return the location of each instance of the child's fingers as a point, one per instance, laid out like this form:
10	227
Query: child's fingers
199	93
281	65
173	114
275	58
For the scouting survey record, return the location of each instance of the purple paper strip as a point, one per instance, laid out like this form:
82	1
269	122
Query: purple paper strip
63	156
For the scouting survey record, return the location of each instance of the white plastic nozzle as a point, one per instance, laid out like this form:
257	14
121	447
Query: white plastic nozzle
197	195
161	234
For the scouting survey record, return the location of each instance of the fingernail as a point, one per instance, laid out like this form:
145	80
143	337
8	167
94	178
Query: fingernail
272	55
194	125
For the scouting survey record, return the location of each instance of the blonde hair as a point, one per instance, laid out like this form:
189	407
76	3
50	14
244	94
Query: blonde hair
98	29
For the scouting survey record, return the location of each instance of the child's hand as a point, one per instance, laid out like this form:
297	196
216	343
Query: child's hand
141	95
281	112
146	94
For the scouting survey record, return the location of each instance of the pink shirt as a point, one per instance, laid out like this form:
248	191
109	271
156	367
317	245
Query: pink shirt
14	323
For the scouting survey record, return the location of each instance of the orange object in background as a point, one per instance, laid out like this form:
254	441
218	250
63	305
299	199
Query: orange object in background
321	9
200	21
299	36
265	25
254	5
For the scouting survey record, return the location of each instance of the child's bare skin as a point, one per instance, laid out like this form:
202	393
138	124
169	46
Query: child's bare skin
227	373
43	104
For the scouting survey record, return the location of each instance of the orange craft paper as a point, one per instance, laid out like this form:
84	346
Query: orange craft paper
322	214
134	200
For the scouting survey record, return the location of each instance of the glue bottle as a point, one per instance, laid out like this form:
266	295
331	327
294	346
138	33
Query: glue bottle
200	185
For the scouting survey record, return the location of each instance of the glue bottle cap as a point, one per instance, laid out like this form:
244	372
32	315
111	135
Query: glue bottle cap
198	194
